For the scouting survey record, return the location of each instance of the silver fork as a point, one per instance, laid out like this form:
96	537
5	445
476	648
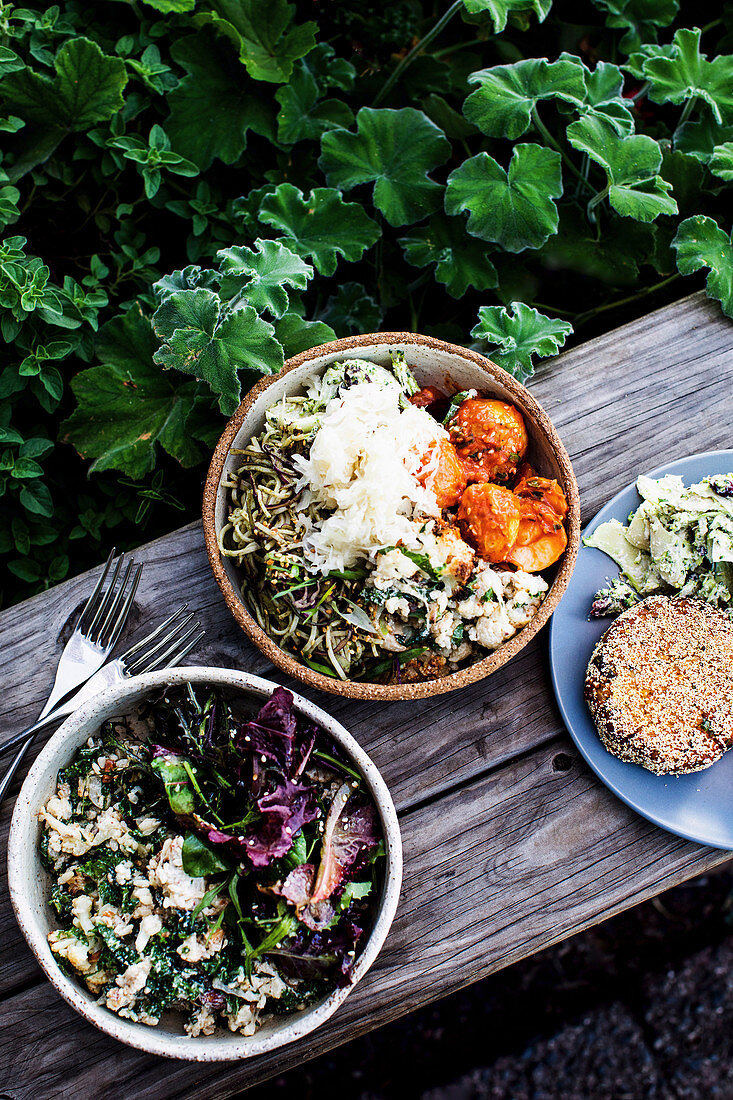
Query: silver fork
167	645
97	630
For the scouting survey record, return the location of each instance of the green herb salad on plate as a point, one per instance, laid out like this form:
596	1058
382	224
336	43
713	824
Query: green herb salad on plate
212	860
679	541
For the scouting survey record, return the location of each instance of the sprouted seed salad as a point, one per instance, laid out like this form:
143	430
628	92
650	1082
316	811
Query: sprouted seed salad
390	533
212	860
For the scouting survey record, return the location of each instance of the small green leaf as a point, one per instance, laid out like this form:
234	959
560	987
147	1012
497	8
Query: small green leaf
721	162
36	498
215	105
262	33
177	783
395	150
201	859
700	139
460	261
687	75
632	163
515	209
261	275
304	115
199	336
700	242
639	18
9	61
351	309
321	227
519	336
507	94
500	10
296	334
86	89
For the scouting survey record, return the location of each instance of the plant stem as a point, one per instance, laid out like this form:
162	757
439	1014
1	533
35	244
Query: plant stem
599	197
582	318
687	111
416	49
551	140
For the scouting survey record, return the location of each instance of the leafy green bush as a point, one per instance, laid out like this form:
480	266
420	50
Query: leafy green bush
193	190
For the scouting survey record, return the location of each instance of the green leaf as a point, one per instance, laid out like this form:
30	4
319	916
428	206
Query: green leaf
603	94
86	89
199	336
507	94
395	150
177	782
699	243
500	10
632	163
261	275
321	227
613	260
520	336
296	334
262	33
215	105
127	405
688	75
201	859
36	499
639	18
700	139
515	209
168	7
9	61
721	162
351	309
304	115
459	261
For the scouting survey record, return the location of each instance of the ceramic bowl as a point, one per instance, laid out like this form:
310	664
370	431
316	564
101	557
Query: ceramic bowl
29	882
451	368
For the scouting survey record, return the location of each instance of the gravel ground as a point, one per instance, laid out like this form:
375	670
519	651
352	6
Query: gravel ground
637	1008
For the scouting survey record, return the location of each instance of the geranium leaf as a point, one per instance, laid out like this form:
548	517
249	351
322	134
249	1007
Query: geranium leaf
603	94
520	335
460	261
262	274
700	242
170	6
262	33
614	260
127	405
304	114
199	336
351	309
721	162
635	189
684	74
321	227
639	18
215	104
395	150
296	334
500	10
86	89
503	103
514	209
699	139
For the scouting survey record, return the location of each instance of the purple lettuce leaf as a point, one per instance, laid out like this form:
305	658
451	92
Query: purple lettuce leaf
284	811
350	833
272	732
297	889
319	955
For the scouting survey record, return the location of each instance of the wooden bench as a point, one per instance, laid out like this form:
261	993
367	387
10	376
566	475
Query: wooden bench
510	843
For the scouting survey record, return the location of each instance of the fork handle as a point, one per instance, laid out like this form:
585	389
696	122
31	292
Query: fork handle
30	733
25	738
15	763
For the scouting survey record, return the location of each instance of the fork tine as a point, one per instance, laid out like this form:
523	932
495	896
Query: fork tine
125	658
103	630
90	606
163	658
126	608
149	654
102	609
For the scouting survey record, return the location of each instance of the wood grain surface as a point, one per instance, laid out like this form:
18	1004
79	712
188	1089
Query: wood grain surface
506	832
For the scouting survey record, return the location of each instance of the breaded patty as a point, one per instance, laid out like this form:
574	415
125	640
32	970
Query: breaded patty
660	685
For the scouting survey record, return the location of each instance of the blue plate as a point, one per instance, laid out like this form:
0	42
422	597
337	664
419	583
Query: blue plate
699	806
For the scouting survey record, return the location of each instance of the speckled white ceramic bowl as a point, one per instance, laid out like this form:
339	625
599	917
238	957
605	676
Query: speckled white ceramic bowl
29	882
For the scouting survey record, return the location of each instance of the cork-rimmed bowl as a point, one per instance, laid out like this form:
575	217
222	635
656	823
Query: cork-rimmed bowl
29	882
435	362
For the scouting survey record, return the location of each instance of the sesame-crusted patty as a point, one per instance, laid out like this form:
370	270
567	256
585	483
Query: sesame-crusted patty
660	685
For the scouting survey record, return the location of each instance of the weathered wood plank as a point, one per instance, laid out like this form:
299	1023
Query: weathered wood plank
493	872
622	403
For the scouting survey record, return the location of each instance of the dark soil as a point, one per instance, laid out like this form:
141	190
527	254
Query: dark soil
638	1007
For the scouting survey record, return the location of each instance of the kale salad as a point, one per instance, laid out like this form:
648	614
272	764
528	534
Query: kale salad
212	860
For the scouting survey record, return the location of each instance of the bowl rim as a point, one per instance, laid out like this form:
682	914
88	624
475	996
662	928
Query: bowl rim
358	689
22	850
